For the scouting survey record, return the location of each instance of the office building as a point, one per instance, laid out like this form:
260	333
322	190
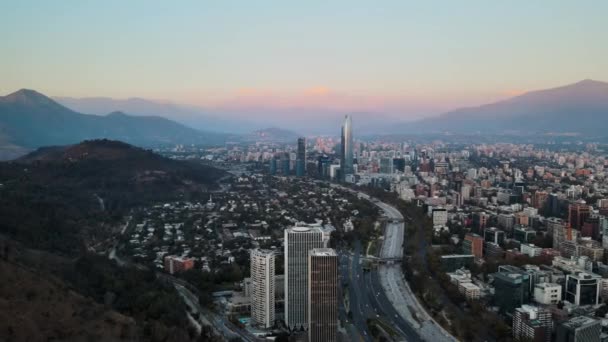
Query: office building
540	199
532	323
439	216
323	164
298	242
473	244
512	288
346	153
579	329
493	250
301	158
583	288
537	276
452	262
554	274
386	165
591	249
399	164
528	275
506	221
547	293
285	165
322	295
273	166
568	248
591	228
604	228
262	288
530	249
524	235
494	235
557	228
480	221
578	213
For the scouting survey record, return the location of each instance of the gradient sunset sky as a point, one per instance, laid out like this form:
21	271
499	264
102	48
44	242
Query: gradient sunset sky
423	55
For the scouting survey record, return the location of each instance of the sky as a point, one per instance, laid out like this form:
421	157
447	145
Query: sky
405	57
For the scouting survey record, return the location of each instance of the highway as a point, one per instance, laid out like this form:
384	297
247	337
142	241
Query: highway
368	299
415	322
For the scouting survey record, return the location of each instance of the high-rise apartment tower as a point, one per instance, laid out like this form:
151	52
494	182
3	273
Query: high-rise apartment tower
262	287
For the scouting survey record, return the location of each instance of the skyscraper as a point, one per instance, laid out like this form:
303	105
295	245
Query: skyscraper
322	295
273	166
262	287
346	156
301	157
298	242
578	213
285	164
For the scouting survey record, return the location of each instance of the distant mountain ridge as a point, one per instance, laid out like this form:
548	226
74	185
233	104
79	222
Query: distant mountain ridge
580	108
192	116
29	120
274	134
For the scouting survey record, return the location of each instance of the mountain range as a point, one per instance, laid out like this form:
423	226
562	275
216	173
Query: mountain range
273	134
29	120
234	120
192	116
580	108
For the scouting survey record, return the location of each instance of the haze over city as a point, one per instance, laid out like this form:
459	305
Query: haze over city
304	171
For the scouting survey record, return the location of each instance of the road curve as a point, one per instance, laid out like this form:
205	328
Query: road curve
395	286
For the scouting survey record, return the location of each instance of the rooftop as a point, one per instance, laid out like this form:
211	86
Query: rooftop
579	321
323	252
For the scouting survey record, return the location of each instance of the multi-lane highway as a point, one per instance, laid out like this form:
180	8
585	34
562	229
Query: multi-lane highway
352	276
419	325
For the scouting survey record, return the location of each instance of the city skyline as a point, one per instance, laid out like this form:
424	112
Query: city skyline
304	171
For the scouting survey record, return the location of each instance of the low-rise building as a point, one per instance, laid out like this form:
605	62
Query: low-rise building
452	262
530	249
547	293
175	264
469	290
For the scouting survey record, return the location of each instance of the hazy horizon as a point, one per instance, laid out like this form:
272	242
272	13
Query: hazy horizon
406	60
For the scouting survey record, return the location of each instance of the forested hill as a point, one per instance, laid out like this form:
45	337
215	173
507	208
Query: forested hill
66	198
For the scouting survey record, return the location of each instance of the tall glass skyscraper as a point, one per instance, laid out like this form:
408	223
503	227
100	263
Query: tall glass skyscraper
346	157
298	242
301	158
